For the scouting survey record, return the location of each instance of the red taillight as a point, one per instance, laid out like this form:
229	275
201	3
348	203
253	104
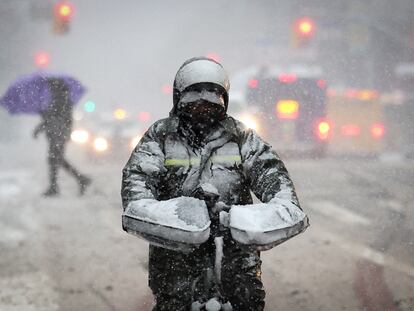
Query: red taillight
363	95
351	93
321	84
323	130
253	83
350	130
377	130
287	78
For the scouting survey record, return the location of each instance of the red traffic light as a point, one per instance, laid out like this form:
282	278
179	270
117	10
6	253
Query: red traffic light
63	14
253	83
64	10
305	27
287	78
41	59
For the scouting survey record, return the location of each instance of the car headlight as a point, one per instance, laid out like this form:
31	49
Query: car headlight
100	144
250	122
134	141
79	136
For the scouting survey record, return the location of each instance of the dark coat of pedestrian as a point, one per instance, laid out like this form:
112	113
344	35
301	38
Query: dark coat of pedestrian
57	123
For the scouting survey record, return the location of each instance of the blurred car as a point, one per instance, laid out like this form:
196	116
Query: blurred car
288	107
356	118
107	139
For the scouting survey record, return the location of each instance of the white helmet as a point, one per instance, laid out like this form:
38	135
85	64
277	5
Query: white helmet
201	70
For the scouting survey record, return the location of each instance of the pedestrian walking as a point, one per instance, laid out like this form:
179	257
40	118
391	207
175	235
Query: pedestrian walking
56	123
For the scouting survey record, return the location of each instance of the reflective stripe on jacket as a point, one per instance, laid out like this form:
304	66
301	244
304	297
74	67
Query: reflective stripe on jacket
234	159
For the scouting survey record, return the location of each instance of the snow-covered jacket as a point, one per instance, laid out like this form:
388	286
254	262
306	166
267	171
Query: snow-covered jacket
234	159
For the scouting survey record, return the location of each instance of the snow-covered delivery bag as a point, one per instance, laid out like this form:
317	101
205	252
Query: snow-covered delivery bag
266	225
180	223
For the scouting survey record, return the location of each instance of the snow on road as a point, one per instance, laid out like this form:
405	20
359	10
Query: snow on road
338	213
70	253
29	292
16	216
22	285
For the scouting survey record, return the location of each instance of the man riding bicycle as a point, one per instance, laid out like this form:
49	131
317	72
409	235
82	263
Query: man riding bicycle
198	144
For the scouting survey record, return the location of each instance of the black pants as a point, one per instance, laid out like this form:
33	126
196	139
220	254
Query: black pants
56	159
174	277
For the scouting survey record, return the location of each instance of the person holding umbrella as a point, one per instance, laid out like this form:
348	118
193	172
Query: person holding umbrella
52	96
57	124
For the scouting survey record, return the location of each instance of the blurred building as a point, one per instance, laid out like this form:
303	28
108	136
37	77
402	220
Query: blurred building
360	43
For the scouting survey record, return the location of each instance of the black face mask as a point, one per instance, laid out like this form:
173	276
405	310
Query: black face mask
198	120
202	113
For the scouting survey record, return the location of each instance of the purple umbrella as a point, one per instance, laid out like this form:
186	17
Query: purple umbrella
31	93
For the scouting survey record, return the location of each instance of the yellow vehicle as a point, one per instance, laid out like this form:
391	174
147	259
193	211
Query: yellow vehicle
356	119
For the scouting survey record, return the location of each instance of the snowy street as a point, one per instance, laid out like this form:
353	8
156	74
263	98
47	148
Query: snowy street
193	93
70	253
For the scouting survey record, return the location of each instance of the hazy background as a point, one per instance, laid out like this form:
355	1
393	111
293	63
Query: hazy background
70	253
125	52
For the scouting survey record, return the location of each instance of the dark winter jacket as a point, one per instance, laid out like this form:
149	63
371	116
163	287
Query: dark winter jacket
57	119
234	160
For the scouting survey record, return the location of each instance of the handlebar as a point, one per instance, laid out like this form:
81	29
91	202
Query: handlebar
218	211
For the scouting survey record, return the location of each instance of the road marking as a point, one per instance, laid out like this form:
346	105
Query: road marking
363	251
393	205
332	210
